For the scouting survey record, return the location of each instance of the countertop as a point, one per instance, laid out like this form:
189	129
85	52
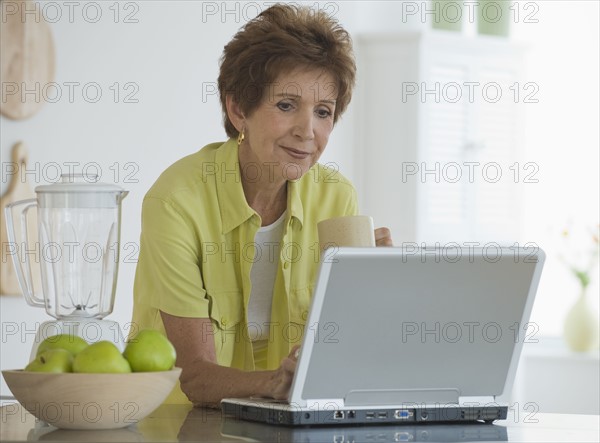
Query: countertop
183	423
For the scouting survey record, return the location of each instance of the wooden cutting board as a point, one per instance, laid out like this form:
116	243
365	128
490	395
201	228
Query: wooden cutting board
17	190
27	58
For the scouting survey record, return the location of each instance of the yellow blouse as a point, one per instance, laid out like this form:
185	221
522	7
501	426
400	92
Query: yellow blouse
197	247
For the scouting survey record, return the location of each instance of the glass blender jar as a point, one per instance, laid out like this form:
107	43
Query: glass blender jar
79	227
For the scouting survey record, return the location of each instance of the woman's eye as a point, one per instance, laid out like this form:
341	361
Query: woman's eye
284	106
323	112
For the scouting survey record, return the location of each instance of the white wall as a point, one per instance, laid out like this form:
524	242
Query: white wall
173	51
562	136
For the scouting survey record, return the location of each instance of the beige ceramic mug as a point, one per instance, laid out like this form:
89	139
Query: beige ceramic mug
352	230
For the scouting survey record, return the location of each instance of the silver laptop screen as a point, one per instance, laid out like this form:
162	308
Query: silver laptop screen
394	326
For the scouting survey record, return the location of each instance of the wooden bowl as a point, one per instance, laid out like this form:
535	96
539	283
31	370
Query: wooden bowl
91	401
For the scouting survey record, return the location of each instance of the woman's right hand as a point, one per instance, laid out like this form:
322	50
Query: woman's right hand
205	382
283	376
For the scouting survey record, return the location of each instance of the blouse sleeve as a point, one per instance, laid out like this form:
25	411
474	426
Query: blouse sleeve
168	275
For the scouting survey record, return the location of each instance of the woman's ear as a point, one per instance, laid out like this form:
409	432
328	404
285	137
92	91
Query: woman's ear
234	113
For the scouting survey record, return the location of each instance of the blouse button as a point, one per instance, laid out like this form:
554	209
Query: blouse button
223	321
304	315
286	264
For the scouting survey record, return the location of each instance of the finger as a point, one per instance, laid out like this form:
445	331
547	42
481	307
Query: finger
295	352
383	237
289	365
384	242
381	233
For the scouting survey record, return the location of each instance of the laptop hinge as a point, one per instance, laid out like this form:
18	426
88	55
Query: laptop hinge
377	397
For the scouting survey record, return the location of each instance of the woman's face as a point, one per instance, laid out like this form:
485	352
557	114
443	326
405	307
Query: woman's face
287	133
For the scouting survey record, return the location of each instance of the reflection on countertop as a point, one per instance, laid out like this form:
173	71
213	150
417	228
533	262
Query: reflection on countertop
184	423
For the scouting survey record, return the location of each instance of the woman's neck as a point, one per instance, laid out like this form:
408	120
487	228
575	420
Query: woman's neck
266	195
268	203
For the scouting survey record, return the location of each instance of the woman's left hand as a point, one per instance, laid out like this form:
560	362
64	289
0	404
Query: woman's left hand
383	237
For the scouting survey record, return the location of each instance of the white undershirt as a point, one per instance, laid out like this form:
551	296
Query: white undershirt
262	277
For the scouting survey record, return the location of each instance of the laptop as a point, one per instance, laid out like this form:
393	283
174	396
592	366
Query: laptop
408	335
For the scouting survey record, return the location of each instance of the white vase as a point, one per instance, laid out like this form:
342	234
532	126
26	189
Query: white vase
581	326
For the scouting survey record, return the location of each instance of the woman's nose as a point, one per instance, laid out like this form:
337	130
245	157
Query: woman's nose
303	126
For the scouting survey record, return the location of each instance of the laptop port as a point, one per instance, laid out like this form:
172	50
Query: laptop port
370	415
490	414
424	415
382	415
403	414
403	436
470	414
351	414
338	415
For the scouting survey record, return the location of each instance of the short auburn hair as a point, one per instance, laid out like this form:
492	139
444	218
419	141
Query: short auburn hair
278	40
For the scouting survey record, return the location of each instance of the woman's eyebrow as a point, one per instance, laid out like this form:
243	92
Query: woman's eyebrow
296	96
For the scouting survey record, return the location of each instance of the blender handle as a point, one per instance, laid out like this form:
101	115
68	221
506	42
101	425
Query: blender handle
25	278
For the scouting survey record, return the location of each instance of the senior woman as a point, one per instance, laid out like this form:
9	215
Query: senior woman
229	247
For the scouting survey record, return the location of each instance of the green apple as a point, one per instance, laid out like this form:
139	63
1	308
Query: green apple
72	343
100	357
150	351
52	360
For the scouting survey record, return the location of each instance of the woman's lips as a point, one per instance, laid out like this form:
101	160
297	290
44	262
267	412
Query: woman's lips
300	155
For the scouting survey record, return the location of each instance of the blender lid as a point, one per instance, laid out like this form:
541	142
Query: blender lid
78	183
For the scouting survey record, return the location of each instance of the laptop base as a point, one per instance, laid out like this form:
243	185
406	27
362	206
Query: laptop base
284	414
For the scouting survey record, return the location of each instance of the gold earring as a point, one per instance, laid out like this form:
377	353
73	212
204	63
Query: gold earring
241	137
